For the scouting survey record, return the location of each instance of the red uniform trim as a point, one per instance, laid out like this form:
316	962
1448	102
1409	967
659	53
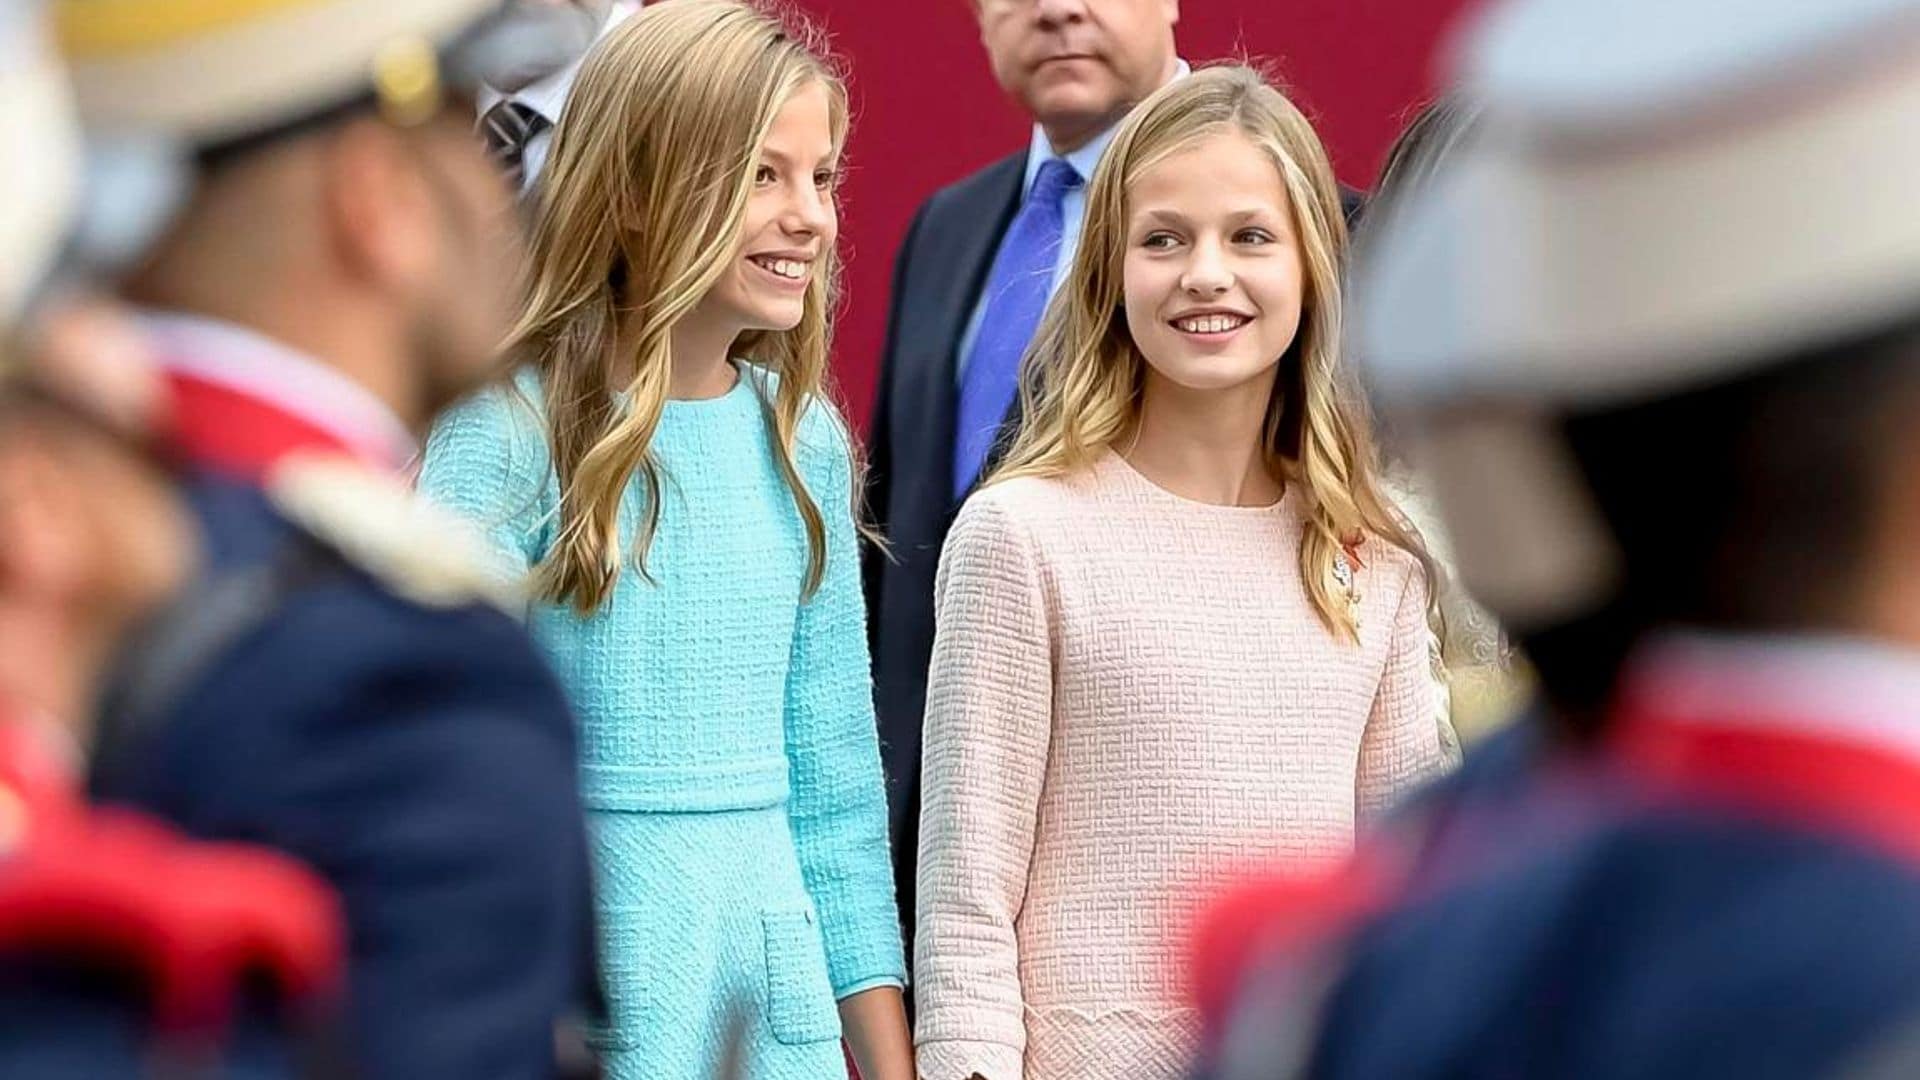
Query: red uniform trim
192	918
229	431
1275	918
1801	778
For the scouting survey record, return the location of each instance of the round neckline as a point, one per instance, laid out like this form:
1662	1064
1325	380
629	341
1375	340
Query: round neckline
739	387
1135	478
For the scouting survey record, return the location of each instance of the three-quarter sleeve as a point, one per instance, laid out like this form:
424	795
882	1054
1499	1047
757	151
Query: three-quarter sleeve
838	805
1403	742
988	722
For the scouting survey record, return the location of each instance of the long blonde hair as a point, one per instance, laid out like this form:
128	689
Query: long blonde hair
639	214
1082	379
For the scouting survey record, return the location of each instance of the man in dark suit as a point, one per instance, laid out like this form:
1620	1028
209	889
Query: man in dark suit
342	683
972	276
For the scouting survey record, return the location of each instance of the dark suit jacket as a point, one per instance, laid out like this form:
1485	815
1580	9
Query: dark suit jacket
937	277
938	274
421	759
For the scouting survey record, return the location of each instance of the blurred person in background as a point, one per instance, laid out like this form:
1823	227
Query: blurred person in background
1181	630
1492	695
519	109
1432	137
1484	689
1667	415
668	468
344	685
123	947
976	269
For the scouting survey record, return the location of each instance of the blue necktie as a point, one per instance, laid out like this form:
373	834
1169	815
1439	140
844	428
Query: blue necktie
1016	296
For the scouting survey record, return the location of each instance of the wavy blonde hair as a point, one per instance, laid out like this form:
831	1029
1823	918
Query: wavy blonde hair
639	213
1082	379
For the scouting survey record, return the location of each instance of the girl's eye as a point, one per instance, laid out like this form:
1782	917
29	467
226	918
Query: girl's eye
765	175
1159	241
1253	236
827	179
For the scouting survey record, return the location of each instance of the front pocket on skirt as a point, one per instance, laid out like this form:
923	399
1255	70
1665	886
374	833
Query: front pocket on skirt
800	1005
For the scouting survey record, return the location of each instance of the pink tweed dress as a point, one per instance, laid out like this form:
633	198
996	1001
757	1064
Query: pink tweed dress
1130	699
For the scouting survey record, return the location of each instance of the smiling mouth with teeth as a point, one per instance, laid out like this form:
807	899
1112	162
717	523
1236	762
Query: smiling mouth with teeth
791	269
1211	324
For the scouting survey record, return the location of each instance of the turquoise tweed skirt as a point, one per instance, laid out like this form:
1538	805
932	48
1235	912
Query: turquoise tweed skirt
706	927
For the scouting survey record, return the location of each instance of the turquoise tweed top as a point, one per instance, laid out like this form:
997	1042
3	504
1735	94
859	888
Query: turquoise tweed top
715	685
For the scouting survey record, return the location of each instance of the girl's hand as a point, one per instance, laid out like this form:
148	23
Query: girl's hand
874	1023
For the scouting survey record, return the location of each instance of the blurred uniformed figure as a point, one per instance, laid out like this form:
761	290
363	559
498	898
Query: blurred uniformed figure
124	948
344	682
1658	331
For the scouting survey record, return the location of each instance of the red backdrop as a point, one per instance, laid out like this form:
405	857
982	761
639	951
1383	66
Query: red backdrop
927	111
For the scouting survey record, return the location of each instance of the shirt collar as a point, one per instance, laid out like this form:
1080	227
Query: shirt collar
1083	160
289	380
1854	689
549	95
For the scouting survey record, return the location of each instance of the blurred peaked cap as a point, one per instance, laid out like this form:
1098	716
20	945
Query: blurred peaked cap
207	72
39	144
1664	194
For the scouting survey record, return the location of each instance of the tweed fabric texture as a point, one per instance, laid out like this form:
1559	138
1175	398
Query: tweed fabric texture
679	983
1132	700
731	766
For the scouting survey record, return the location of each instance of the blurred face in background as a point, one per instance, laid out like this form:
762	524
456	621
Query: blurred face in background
97	538
1077	65
425	228
469	304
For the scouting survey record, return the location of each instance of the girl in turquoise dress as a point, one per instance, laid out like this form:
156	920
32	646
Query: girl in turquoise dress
666	470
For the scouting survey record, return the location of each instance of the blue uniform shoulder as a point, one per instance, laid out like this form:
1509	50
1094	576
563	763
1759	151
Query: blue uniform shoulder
1598	959
403	736
238	523
1482	813
350	632
337	647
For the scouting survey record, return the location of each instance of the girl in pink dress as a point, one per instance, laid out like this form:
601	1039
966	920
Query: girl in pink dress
1181	630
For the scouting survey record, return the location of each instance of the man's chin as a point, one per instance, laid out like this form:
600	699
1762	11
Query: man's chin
1080	111
1091	90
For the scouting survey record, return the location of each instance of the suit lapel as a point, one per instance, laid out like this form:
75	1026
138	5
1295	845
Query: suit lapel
975	226
983	222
